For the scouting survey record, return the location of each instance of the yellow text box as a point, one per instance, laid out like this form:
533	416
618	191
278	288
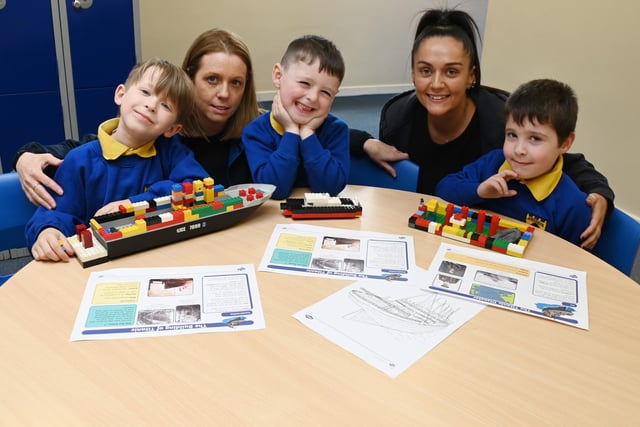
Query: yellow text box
296	242
116	293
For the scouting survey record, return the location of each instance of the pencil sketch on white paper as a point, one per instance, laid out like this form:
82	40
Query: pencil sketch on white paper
415	314
388	325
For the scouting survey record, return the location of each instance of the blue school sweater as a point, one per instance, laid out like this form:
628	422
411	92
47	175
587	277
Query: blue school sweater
559	208
90	181
321	161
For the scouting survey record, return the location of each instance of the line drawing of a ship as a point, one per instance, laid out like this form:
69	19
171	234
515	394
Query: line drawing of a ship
405	314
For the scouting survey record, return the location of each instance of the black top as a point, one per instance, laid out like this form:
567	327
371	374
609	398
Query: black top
438	160
225	161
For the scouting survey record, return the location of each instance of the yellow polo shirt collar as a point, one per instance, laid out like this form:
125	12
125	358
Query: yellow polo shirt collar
275	125
112	149
541	187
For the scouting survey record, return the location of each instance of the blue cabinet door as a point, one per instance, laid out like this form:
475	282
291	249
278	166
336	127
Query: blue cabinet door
102	44
30	103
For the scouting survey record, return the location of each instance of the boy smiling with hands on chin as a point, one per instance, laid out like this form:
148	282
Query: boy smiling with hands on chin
299	143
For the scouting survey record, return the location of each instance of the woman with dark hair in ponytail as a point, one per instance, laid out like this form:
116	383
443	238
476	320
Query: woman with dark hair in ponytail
449	119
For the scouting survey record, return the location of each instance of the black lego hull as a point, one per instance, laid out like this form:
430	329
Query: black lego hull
161	235
175	233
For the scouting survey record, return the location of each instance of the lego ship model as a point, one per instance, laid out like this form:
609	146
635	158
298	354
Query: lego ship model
475	227
321	206
192	209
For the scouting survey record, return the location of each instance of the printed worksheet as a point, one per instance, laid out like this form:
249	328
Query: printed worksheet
389	326
151	302
534	288
337	253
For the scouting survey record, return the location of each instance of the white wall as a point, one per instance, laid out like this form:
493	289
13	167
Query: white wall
374	37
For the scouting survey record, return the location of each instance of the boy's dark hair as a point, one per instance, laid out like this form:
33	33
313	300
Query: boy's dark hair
172	82
309	48
545	101
450	23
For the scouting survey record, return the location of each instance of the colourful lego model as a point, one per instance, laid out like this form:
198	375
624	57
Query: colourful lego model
321	205
192	209
474	227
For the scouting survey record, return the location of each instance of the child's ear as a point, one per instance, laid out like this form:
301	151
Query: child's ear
174	129
567	143
119	94
276	75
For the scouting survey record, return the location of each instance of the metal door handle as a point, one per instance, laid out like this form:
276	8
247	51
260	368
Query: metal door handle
81	4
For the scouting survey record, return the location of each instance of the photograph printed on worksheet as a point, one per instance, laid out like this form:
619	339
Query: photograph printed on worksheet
337	253
529	287
129	303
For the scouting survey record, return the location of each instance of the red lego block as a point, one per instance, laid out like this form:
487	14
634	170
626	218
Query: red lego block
79	229
87	239
480	221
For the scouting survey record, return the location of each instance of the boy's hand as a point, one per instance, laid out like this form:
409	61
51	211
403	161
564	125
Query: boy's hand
51	245
282	117
309	128
112	207
598	206
496	187
29	168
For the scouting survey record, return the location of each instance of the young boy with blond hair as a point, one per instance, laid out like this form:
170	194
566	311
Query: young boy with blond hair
125	164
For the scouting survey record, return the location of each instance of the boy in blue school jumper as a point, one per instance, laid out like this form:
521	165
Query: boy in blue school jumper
125	164
524	180
299	143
